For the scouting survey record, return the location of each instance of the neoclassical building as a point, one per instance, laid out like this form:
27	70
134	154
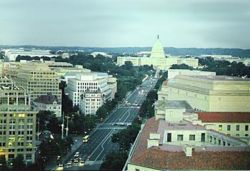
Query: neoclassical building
158	59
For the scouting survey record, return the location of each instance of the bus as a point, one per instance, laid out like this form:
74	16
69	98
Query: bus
85	138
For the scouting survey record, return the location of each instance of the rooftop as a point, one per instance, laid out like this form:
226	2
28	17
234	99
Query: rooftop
224	117
172	104
173	157
219	78
47	99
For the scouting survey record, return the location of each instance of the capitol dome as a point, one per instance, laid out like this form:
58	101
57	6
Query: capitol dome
157	50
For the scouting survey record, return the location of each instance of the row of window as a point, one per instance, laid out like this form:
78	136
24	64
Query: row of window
237	128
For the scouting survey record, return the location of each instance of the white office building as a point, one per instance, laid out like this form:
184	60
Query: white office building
92	81
90	101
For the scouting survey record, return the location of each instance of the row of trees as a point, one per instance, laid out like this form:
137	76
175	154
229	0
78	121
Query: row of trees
220	67
225	67
125	138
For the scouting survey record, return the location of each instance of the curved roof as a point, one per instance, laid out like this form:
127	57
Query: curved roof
157	50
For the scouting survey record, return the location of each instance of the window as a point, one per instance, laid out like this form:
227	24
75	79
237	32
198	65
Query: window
179	137
228	127
237	127
137	169
169	137
28	156
246	128
220	127
237	135
246	135
203	137
192	137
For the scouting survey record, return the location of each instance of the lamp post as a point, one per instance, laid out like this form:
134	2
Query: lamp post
62	125
67	128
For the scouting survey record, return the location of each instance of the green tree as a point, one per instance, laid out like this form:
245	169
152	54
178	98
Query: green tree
18	163
3	163
114	161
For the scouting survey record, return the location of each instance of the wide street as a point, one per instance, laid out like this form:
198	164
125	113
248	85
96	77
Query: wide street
99	145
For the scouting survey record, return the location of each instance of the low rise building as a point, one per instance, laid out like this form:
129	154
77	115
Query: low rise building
170	142
174	72
236	124
11	54
210	93
48	102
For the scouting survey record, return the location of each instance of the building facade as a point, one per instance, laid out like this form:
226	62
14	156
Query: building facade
36	78
173	142
17	122
48	102
211	93
92	81
90	101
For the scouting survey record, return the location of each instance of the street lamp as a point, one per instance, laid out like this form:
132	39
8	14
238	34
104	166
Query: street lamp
67	128
62	125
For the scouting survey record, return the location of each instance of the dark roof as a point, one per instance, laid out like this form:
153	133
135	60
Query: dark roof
47	99
226	160
224	117
156	158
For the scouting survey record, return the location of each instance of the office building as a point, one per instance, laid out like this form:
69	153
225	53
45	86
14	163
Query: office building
17	122
36	78
210	93
90	101
92	81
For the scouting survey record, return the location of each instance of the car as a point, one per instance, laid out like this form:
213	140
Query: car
81	163
77	154
69	164
76	160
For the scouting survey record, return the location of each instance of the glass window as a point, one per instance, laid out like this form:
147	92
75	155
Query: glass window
237	127
246	128
192	137
228	127
179	137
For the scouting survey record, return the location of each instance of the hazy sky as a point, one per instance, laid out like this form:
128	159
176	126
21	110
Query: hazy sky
106	23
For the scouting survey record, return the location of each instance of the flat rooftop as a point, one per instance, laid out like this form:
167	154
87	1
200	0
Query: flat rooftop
173	104
219	78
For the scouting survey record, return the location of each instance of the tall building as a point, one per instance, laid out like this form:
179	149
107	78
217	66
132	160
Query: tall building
158	59
17	122
36	78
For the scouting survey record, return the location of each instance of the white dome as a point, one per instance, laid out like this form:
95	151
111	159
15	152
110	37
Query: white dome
157	50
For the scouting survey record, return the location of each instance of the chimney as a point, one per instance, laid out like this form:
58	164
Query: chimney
188	150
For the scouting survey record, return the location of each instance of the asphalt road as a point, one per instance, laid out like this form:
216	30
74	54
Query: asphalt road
100	144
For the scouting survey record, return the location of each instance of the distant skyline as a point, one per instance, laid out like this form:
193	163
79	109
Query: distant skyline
126	23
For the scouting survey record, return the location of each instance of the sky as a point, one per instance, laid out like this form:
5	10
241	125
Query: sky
126	23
